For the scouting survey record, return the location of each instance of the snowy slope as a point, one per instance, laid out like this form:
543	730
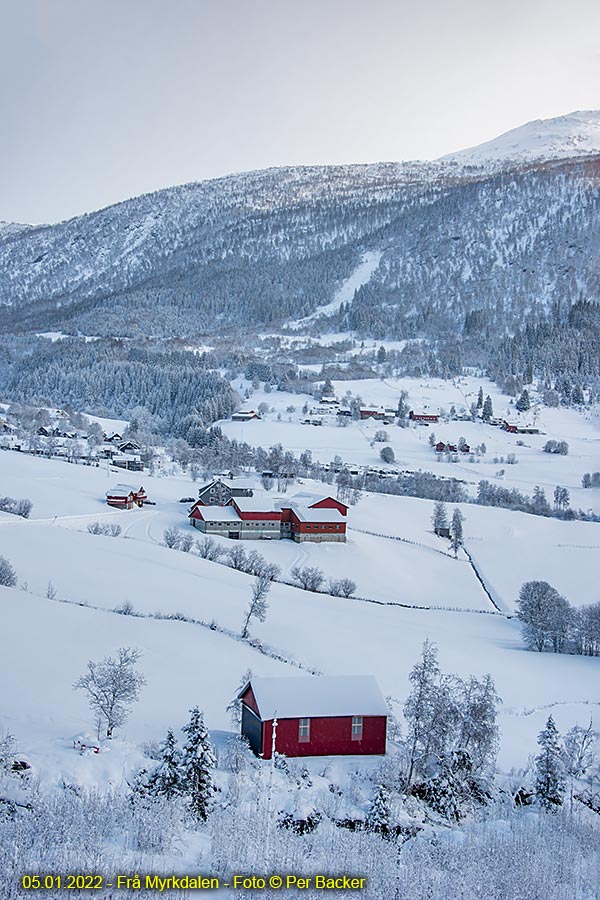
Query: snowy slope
345	293
563	137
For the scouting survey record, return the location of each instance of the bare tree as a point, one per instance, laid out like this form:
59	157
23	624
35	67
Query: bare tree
308	577
172	537
258	606
112	685
578	754
237	559
209	549
341	587
186	542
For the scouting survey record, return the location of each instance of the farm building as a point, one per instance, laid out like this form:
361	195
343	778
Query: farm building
255	518
314	716
423	417
219	492
124	496
372	413
244	416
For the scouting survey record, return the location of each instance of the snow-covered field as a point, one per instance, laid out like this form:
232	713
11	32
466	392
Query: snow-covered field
409	586
322	633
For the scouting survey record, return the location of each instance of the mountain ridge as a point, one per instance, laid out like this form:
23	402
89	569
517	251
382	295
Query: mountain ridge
263	247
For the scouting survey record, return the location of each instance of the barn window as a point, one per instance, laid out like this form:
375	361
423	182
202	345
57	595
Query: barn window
303	731
357	728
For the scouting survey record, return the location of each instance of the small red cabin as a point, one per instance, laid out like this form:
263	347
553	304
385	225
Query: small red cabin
124	496
314	716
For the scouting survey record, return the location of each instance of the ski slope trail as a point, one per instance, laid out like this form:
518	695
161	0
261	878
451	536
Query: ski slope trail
345	293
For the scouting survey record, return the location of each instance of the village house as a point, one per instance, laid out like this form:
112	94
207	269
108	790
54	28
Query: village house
314	716
219	492
124	496
130	461
244	416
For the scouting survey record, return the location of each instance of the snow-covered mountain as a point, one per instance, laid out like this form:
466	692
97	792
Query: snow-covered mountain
564	137
267	247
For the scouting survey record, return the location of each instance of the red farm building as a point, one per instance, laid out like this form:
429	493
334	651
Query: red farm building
124	496
422	417
256	518
314	716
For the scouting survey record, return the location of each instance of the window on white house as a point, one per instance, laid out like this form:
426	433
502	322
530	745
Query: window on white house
304	731
357	728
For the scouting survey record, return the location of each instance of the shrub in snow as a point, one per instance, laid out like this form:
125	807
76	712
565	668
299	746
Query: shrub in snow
125	609
560	447
16	507
387	455
110	529
8	576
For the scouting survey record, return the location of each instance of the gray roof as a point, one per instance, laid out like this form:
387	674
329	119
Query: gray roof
218	513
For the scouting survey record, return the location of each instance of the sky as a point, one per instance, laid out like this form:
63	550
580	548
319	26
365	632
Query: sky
101	100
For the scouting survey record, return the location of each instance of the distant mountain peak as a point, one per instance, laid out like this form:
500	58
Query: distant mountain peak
564	137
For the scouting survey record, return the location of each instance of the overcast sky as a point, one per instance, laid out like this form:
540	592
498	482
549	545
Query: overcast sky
105	99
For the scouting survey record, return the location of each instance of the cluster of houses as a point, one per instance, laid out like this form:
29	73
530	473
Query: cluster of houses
59	439
232	511
441	447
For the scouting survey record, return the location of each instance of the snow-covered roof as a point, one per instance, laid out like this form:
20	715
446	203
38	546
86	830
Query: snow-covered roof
253	504
317	515
121	490
309	696
218	513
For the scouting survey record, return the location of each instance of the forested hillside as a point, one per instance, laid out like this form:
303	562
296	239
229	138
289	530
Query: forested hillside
268	247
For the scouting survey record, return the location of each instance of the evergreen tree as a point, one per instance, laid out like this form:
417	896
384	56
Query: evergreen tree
523	403
456	531
488	410
381	354
197	765
439	518
379	814
167	779
549	768
480	398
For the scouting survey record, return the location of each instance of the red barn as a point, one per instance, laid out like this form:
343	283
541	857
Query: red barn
314	716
